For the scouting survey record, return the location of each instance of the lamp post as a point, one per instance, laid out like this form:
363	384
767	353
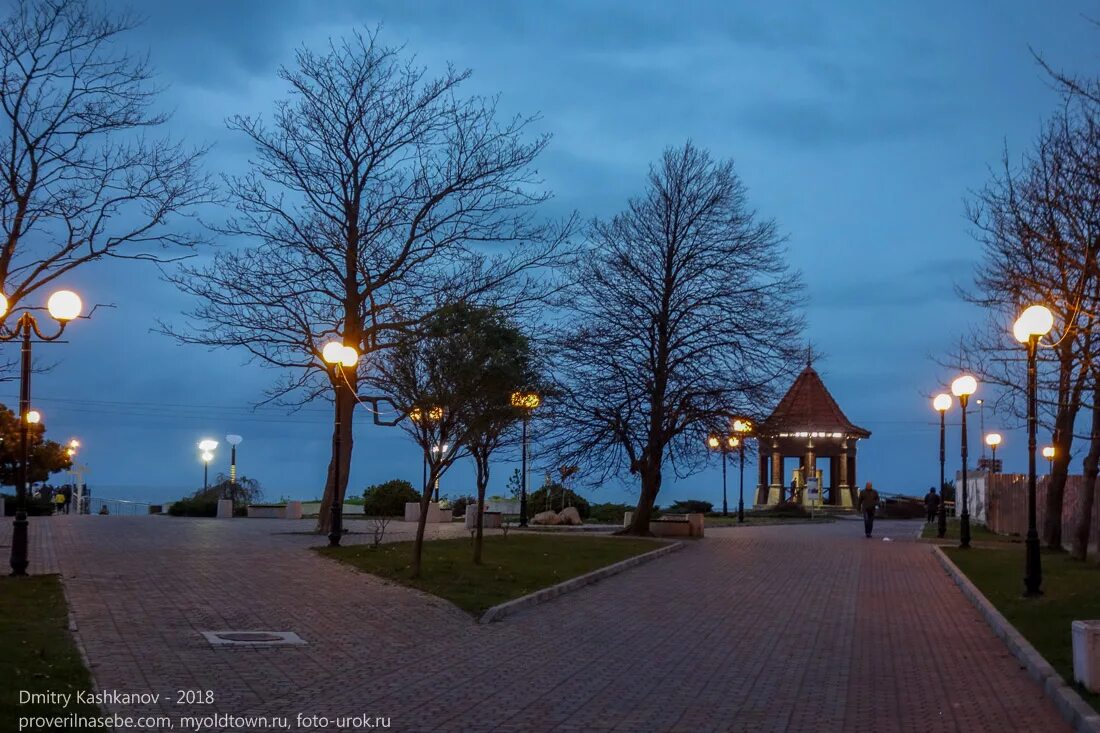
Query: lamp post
234	441
1035	322
207	447
1048	453
715	443
941	404
417	415
981	419
527	402
340	358
440	449
742	428
993	440
962	388
63	306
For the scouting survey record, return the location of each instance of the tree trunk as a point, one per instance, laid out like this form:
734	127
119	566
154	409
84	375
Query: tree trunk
422	521
324	516
482	484
651	485
1080	548
1063	439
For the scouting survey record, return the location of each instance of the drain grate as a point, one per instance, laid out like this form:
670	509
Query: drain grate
252	638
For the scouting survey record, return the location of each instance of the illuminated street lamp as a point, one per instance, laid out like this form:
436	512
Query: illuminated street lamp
1035	322
993	440
962	388
1048	453
941	404
63	306
527	402
206	454
433	415
742	428
439	449
715	443
339	358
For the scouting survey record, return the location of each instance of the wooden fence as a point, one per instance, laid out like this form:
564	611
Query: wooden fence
1006	505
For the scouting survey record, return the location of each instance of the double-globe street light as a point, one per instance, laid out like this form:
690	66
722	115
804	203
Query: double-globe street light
434	414
1035	322
340	358
941	404
714	442
962	388
63	306
528	402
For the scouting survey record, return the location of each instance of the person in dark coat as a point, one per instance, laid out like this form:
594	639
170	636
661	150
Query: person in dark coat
868	502
932	504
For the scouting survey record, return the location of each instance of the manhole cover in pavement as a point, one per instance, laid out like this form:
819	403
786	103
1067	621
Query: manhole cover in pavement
252	638
249	636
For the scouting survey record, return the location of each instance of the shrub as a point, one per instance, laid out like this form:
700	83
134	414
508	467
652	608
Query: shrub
194	506
459	504
609	513
36	506
785	509
902	507
536	500
690	506
389	499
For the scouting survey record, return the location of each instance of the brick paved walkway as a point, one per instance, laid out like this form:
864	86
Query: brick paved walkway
790	628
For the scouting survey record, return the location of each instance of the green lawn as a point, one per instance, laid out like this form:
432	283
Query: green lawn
511	567
38	652
1071	591
978	533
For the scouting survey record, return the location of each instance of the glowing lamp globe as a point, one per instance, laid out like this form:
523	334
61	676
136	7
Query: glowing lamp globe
206	445
733	442
3	305
34	417
207	457
964	386
993	439
1036	320
742	426
64	305
942	403
233	440
333	352
713	441
1048	452
349	357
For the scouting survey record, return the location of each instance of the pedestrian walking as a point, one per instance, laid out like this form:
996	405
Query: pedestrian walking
868	502
58	501
931	504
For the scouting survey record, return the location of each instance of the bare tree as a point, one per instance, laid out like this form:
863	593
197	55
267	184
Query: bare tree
1039	225
683	315
81	181
1079	547
374	195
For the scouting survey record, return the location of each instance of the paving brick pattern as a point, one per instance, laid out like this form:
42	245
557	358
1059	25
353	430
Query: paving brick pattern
787	628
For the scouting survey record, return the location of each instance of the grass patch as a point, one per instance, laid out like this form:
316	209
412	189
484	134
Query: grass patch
511	567
39	654
1071	591
978	533
751	521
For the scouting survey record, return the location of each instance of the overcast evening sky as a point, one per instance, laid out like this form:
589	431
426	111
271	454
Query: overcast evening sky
860	130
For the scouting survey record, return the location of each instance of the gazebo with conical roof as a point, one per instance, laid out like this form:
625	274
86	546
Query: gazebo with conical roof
808	425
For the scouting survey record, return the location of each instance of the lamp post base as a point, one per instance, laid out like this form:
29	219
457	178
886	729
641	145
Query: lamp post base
941	521
964	531
1033	578
19	544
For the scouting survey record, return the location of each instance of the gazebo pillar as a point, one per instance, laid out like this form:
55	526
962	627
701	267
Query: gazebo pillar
845	494
775	489
811	470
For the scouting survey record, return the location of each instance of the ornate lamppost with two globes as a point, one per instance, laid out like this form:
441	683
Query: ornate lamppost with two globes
63	306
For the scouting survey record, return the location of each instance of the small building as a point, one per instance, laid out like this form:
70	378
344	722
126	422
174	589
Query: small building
809	427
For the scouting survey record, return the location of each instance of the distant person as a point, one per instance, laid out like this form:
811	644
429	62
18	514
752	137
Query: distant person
932	504
59	502
103	510
67	493
868	502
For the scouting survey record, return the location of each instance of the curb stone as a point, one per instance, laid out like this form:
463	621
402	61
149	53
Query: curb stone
498	612
1071	705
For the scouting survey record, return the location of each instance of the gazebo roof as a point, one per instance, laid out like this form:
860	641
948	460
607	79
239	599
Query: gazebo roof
809	408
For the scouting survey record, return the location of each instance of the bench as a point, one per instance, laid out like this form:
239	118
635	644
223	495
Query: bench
672	525
290	510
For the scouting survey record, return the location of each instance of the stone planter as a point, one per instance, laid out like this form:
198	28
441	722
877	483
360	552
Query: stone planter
435	514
